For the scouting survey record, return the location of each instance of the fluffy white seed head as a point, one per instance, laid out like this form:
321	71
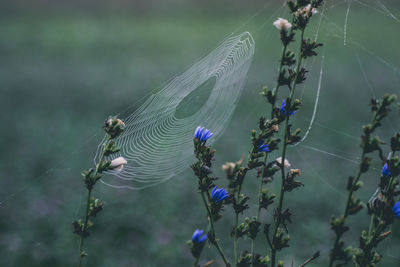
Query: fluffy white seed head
118	163
286	163
282	24
308	7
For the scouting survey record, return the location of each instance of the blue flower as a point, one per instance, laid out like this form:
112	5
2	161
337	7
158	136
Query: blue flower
263	147
219	194
385	170
396	209
283	108
202	134
198	236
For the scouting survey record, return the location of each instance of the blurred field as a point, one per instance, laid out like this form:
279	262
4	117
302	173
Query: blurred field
65	68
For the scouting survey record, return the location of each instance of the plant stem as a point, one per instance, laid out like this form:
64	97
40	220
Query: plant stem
284	49
346	212
260	186
235	253
351	191
215	241
282	192
371	224
82	253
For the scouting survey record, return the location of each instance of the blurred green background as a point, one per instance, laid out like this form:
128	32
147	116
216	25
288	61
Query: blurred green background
66	65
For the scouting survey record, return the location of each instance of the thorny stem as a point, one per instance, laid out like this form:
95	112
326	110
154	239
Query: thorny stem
215	241
349	197
83	235
282	192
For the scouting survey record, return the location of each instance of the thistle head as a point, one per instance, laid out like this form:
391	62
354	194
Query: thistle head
218	194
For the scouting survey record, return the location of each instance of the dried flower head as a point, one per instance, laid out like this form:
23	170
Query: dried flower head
228	167
295	172
308	8
282	24
118	163
114	126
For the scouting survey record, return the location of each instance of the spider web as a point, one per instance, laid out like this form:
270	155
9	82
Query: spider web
157	144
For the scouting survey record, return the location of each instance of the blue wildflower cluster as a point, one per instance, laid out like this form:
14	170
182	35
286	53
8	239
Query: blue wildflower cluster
284	109
199	236
219	194
385	170
396	209
202	134
263	147
197	243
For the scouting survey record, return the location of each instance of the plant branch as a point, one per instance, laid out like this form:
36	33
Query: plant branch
282	165
214	239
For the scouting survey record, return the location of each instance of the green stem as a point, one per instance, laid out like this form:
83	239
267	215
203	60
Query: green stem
351	191
215	241
196	263
235	238
83	235
346	212
282	191
260	186
371	224
81	252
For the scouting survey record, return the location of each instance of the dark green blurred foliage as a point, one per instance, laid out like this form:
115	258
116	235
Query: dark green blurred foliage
65	66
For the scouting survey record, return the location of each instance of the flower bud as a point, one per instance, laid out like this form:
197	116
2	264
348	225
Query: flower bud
282	24
117	164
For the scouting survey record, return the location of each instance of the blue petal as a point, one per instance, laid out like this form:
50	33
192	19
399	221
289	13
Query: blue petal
197	234
396	209
213	191
385	170
198	132
203	238
283	105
